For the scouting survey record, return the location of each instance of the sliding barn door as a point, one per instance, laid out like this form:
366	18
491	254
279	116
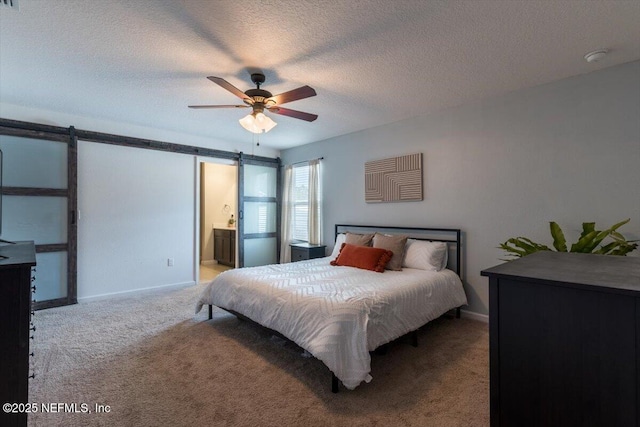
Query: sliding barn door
39	204
258	212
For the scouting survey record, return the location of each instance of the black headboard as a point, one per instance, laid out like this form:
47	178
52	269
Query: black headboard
450	235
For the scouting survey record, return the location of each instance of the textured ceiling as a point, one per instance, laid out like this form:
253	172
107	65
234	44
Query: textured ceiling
371	61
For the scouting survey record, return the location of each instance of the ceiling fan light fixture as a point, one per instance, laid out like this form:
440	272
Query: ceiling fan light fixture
265	122
257	123
249	123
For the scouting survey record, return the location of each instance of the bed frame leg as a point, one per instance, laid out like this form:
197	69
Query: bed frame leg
382	350
458	313
210	312
334	383
414	338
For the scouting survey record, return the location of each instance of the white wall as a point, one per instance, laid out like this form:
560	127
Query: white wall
219	187
136	210
568	151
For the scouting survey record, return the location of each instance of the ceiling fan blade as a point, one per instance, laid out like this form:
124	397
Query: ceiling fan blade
294	113
218	106
294	95
228	86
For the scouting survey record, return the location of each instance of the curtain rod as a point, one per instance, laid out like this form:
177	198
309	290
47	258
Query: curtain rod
306	161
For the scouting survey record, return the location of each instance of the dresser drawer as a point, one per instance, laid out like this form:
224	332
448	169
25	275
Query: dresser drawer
299	254
304	251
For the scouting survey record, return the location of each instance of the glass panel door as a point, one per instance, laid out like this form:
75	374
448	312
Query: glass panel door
39	205
258	201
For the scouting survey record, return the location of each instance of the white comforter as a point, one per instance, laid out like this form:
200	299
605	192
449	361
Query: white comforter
338	314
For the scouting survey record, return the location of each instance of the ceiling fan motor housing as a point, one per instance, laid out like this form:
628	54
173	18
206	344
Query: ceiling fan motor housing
259	96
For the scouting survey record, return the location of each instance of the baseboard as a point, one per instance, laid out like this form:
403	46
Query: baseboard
474	316
208	262
136	291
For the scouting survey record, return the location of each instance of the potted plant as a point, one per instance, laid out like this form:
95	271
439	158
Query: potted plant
588	242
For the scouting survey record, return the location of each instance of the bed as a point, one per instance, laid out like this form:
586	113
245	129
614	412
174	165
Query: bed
339	314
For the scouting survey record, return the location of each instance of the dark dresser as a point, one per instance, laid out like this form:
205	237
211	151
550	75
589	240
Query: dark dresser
15	329
565	340
303	251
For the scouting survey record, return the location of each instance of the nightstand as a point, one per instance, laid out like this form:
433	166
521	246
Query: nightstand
304	251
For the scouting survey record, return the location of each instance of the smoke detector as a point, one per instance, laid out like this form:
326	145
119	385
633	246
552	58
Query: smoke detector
596	55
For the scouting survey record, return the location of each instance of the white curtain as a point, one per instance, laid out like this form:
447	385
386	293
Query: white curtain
287	210
315	203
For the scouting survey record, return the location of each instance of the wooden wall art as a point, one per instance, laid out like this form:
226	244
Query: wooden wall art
398	179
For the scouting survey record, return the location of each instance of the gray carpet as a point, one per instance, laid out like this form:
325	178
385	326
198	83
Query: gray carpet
155	363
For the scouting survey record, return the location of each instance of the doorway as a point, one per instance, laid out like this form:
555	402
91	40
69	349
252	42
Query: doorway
217	211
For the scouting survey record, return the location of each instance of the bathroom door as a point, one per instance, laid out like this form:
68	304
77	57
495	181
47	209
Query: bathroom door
258	212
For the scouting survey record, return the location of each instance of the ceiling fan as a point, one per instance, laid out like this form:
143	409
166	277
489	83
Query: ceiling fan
260	100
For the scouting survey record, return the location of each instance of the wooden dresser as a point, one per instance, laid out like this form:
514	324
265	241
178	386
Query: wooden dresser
565	340
15	319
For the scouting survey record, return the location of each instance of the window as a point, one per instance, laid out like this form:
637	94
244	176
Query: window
300	216
301	206
262	218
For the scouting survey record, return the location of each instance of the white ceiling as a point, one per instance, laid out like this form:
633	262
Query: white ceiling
371	61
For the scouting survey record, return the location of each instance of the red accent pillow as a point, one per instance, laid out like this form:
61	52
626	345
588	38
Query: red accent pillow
374	259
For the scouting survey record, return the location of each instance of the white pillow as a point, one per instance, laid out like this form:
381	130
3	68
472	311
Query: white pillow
339	241
425	255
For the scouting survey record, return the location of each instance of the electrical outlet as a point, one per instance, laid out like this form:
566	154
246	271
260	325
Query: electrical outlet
170	262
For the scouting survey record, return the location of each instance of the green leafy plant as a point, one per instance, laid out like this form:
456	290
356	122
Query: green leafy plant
587	242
